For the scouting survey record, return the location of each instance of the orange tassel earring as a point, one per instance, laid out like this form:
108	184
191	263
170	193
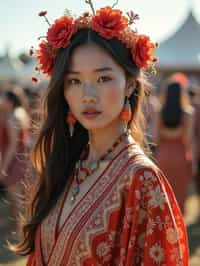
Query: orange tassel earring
126	114
71	121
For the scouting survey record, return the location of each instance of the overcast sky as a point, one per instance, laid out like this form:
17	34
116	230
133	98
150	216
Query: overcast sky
20	25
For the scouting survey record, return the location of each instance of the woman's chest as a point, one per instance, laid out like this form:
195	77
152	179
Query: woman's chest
93	224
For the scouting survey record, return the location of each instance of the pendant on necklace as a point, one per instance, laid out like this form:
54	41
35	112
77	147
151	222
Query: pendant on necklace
89	171
94	166
75	191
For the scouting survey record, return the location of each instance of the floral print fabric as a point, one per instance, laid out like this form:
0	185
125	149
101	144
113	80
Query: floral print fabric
129	216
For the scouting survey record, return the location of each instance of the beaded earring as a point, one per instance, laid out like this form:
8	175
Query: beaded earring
71	121
126	114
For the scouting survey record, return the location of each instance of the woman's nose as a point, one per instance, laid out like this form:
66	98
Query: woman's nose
89	94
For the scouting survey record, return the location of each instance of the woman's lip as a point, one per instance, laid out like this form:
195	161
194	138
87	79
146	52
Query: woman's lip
91	112
91	115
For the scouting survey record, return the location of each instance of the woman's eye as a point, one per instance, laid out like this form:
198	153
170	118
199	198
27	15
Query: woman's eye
104	79
73	81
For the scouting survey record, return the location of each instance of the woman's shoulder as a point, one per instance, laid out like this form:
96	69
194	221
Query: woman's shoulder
22	117
188	116
144	165
189	112
143	169
148	183
141	163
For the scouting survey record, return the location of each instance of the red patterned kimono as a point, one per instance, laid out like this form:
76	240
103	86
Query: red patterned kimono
126	216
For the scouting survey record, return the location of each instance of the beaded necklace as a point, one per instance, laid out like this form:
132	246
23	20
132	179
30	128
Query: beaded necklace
90	170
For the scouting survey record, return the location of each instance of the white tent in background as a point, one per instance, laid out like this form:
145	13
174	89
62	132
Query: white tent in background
182	50
10	68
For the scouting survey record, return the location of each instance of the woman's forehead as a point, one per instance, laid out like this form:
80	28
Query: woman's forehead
91	56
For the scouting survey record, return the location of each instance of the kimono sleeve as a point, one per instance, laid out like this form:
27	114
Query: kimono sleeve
158	234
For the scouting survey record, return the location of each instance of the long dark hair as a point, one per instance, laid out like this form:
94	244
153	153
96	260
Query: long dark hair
55	153
172	110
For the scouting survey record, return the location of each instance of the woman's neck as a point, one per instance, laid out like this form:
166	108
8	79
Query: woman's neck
101	140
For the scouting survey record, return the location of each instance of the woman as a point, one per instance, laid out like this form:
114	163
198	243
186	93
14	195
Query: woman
174	139
98	199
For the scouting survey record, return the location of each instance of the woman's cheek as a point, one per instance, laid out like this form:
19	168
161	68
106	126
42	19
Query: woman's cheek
71	96
114	95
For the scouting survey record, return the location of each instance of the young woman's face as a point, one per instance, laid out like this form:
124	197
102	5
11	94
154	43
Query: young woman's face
95	87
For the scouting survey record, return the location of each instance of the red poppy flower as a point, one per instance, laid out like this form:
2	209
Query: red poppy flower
60	33
45	57
109	22
143	51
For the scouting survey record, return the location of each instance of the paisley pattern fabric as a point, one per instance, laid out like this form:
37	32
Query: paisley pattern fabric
127	216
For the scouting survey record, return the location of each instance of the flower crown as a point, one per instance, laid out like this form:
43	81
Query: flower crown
107	22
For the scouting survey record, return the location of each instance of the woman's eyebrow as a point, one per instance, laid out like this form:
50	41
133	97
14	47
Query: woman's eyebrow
102	69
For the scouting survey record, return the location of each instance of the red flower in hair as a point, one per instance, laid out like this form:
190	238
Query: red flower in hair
60	33
45	57
109	22
143	51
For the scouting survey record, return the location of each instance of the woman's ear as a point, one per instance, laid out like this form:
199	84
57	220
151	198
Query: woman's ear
130	86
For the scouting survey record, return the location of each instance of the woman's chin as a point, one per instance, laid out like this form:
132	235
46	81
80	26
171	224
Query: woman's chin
94	125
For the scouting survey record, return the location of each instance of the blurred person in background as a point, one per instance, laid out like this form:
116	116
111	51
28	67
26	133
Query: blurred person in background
14	140
194	92
152	107
173	135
